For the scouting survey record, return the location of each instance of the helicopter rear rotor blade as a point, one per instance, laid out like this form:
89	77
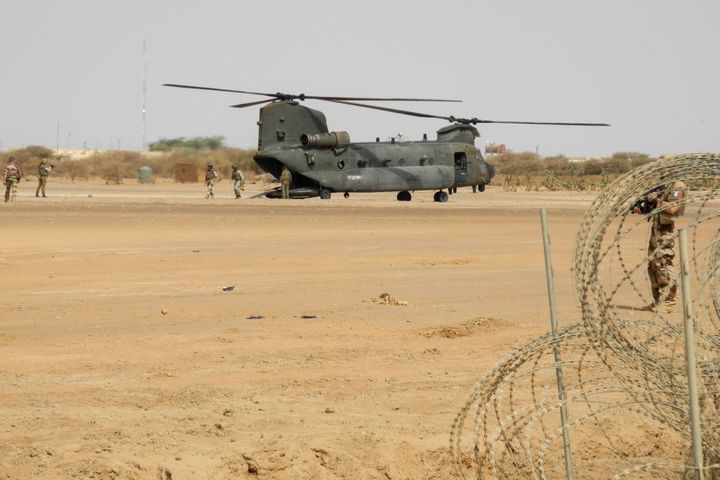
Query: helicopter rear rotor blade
513	122
379	99
466	121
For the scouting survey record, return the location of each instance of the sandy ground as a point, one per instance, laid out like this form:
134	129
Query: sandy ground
122	357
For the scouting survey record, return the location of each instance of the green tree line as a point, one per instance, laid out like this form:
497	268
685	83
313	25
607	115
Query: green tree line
195	143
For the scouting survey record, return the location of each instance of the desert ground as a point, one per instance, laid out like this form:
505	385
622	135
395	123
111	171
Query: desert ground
123	357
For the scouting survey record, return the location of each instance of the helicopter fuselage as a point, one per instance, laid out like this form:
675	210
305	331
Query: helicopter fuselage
380	166
296	137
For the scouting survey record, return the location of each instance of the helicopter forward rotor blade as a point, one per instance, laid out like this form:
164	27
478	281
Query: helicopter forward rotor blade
194	87
250	104
392	110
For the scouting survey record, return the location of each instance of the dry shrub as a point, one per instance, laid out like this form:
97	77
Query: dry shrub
72	169
222	159
621	162
116	166
527	171
511	163
551	182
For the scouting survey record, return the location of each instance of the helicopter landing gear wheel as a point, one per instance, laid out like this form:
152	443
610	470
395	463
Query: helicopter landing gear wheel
481	187
404	196
346	195
325	194
440	196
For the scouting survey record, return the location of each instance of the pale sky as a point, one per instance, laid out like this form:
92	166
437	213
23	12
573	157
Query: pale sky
651	68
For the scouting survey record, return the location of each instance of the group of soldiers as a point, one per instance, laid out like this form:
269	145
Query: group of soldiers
13	174
238	179
211	176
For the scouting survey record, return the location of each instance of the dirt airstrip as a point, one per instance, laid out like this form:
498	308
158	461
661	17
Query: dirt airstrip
122	356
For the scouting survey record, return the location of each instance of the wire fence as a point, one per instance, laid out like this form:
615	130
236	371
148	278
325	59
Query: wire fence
624	366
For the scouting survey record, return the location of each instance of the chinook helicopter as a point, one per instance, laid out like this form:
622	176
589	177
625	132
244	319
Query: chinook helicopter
324	162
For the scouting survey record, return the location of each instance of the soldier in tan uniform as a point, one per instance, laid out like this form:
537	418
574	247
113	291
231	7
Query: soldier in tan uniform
11	178
211	176
285	181
238	180
43	172
661	248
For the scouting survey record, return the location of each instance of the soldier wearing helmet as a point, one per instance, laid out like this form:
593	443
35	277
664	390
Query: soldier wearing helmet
238	180
211	176
285	182
43	173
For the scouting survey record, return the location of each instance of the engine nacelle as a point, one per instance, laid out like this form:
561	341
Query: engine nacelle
325	140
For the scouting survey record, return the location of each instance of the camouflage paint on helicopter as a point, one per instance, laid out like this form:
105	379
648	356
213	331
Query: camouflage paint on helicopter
324	162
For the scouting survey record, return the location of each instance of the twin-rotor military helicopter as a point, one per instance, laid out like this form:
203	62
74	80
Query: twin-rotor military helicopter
323	162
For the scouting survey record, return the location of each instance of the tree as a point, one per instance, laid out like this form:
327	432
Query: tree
194	143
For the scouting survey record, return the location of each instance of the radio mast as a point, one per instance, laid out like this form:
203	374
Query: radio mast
144	91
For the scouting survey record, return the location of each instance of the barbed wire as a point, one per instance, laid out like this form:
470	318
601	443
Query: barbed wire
623	364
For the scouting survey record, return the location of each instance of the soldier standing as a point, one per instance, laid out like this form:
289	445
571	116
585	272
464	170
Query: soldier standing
11	178
285	181
210	176
661	248
43	172
238	180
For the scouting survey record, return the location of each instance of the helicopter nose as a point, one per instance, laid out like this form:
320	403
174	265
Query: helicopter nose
491	171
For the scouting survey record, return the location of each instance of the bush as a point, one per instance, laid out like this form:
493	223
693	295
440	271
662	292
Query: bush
115	166
528	163
518	163
73	170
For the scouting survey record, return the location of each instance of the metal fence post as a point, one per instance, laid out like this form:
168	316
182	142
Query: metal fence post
690	357
558	362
